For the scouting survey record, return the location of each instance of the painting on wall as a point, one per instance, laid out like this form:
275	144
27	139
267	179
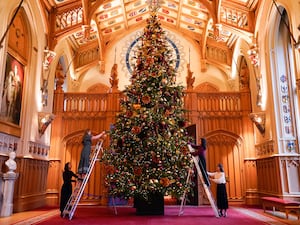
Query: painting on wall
12	91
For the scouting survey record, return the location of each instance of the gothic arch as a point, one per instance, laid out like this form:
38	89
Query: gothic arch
72	147
227	148
285	103
207	87
98	88
16	76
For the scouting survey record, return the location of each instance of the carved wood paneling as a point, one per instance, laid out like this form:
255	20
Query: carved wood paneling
94	191
224	147
206	87
222	117
238	18
98	88
290	167
68	16
85	102
30	187
215	53
86	57
219	103
268	174
219	116
250	181
265	149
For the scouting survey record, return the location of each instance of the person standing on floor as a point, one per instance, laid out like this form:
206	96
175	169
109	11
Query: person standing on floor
66	189
200	150
219	178
84	162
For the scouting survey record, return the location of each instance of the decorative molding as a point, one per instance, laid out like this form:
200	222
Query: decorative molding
114	80
38	150
8	143
98	88
290	161
86	57
207	87
266	148
250	163
74	140
216	54
190	79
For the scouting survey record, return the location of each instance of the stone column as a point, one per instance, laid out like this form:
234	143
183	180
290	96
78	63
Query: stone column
9	179
8	193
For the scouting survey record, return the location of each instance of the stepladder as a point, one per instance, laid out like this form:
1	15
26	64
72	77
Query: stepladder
206	188
78	191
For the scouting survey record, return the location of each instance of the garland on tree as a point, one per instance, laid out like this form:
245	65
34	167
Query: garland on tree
148	150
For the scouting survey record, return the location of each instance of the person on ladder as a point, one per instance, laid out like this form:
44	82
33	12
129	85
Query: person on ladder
219	178
200	150
84	162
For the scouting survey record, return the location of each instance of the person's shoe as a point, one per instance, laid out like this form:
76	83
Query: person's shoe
225	213
220	214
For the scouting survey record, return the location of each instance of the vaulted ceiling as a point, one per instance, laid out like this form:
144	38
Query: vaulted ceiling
94	24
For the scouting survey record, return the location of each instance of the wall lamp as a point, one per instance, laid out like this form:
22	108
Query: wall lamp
44	120
259	119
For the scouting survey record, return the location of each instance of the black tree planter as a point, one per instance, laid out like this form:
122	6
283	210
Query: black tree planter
153	206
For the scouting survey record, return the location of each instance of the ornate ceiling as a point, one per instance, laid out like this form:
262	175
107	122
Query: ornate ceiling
94	24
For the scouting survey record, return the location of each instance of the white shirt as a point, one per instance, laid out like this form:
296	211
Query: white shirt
218	177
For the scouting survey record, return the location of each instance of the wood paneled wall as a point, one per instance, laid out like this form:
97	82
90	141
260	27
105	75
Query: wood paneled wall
31	183
75	112
268	175
221	117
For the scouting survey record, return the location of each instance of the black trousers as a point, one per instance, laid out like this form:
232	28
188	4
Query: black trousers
202	165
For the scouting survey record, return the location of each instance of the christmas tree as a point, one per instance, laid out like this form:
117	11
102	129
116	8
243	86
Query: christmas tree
148	149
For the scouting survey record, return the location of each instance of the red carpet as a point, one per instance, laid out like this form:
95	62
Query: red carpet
126	216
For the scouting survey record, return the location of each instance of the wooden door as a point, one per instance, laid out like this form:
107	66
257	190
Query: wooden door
225	148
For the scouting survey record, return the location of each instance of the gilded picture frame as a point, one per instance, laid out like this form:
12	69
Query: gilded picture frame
12	91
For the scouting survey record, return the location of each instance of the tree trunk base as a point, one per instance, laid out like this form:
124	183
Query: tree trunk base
154	206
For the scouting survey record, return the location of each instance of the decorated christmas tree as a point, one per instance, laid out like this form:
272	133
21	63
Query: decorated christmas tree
148	150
